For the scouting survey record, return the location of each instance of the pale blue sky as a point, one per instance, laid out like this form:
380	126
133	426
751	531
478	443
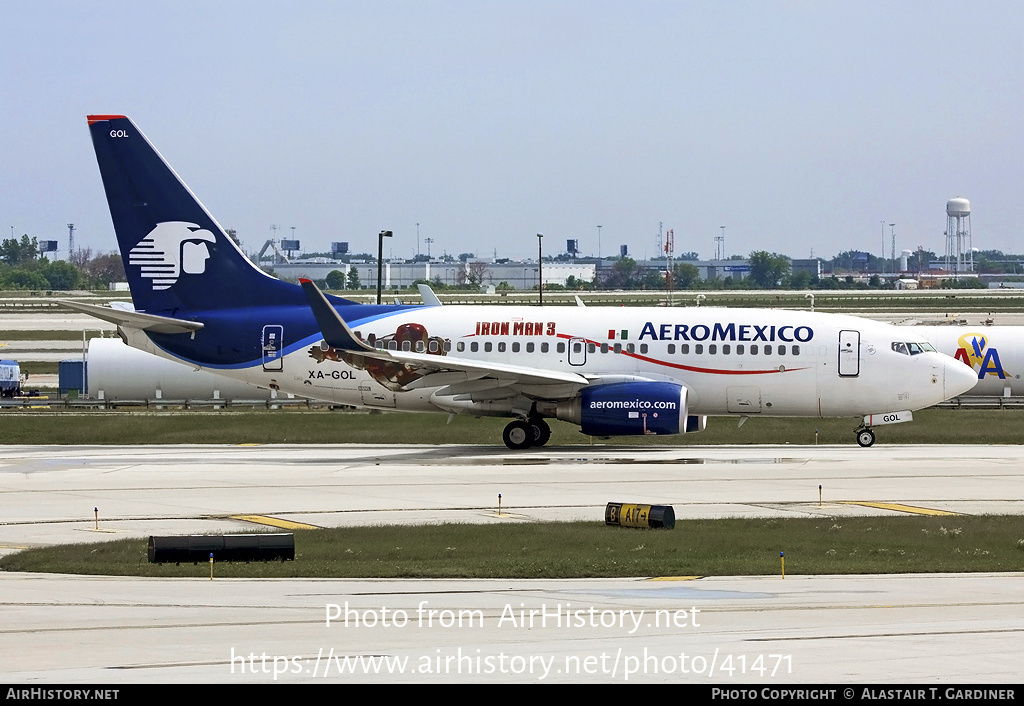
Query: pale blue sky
797	125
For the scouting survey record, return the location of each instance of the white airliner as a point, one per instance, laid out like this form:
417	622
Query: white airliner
994	353
612	371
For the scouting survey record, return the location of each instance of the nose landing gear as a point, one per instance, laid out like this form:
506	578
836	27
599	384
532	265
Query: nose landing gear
865	437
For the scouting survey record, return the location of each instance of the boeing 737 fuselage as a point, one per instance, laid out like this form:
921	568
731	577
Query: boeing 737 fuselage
612	371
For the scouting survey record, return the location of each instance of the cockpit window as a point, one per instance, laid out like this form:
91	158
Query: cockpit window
912	348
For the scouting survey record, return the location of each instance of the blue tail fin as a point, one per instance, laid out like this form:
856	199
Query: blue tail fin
177	257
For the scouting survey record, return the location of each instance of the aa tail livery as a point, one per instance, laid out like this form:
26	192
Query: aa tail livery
994	353
612	371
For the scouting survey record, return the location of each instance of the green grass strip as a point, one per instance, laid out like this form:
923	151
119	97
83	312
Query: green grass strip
727	547
302	426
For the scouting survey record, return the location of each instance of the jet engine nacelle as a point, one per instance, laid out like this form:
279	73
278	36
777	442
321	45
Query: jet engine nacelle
629	409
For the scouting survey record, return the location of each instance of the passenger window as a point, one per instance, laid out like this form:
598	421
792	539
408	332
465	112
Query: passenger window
725	349
544	348
643	348
796	350
529	347
419	346
460	346
671	349
448	347
618	348
474	346
767	350
630	348
685	349
488	347
699	349
739	349
501	346
712	349
753	350
561	347
604	347
782	350
393	345
591	348
432	347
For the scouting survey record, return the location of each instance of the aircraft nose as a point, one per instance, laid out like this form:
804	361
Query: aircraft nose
957	378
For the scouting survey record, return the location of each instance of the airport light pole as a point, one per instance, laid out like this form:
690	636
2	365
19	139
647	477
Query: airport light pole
380	258
892	253
882	261
540	270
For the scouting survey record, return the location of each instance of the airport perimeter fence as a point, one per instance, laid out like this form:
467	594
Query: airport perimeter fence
57	403
992	402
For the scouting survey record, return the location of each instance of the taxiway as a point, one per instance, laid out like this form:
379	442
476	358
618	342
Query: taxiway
832	629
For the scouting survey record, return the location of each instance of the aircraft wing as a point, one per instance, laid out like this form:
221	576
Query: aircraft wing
135	319
461	375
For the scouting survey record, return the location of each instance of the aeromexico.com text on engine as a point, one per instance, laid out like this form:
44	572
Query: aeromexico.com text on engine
632	404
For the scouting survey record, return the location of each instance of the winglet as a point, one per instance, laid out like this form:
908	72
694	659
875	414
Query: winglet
428	296
336	332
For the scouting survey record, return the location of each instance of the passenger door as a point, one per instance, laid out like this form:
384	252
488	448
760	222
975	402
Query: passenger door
273	348
849	354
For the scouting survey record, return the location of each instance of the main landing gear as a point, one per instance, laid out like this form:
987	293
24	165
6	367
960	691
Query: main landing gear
865	437
521	434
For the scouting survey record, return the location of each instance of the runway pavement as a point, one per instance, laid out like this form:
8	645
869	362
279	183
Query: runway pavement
835	629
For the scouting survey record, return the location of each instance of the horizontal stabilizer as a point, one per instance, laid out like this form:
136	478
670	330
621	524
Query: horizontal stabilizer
136	319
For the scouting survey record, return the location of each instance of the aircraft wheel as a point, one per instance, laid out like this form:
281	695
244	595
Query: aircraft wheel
865	437
541	432
518	435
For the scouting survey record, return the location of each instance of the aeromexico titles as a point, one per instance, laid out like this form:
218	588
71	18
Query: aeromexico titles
612	371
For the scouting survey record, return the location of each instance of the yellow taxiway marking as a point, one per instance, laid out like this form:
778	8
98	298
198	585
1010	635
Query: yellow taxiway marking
676	578
251	443
902	508
273	522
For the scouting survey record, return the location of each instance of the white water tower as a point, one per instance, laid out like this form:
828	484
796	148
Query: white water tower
959	251
905	260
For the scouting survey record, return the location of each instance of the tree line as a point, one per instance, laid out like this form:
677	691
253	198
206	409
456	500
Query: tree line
23	266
